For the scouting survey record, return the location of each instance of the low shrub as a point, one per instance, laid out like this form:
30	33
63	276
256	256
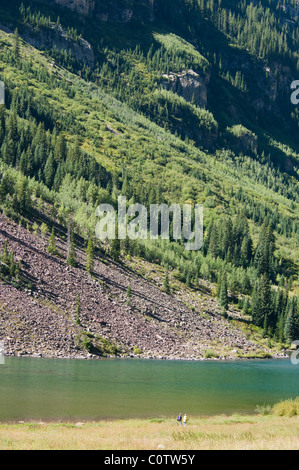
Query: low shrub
287	408
264	409
210	354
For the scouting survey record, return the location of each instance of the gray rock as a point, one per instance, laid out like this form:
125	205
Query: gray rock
56	36
188	84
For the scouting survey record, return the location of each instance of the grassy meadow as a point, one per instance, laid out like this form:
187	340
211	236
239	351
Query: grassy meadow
276	431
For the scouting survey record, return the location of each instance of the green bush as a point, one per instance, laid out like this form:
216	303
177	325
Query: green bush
137	350
209	354
287	408
87	344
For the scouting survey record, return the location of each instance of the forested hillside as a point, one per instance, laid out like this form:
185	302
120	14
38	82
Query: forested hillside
162	102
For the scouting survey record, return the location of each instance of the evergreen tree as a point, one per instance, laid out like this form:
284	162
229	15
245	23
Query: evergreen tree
214	243
290	330
90	256
71	252
188	279
60	152
16	46
78	310
129	292
246	251
246	307
52	248
129	295
166	282
279	331
50	170
223	295
218	285
23	195
264	256
12	265
115	246
2	123
262	302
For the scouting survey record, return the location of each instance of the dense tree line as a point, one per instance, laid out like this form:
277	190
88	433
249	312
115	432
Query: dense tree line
264	27
44	154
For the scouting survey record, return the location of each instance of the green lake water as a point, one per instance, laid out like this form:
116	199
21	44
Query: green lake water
52	389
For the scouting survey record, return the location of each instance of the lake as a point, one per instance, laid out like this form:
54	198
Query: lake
71	389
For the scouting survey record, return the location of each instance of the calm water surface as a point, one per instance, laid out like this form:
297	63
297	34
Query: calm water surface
50	389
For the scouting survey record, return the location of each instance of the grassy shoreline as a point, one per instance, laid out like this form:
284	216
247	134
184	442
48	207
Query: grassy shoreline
235	432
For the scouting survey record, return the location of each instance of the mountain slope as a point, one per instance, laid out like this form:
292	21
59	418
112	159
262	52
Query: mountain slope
162	116
42	320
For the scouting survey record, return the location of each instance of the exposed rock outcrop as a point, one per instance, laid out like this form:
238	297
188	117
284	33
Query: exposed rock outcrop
188	84
56	36
84	7
117	15
125	11
113	11
242	139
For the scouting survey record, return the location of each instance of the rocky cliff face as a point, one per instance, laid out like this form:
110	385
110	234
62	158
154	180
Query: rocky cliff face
113	10
188	84
81	50
125	11
84	7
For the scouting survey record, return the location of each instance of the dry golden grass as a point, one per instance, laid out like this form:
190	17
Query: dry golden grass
234	432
